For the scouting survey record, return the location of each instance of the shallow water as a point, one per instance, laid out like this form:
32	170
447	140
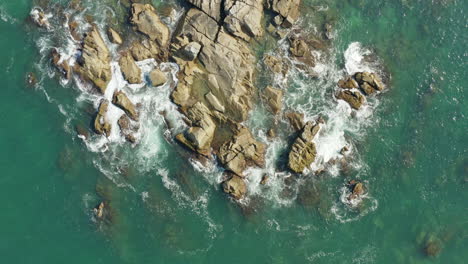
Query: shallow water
409	147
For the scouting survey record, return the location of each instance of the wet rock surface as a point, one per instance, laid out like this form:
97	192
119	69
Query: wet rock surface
121	100
303	150
234	186
101	124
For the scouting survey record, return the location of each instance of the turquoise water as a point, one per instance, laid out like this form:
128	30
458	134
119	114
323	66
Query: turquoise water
411	152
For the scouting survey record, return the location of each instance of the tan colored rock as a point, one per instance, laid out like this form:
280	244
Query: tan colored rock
211	7
275	64
147	49
130	70
113	36
369	82
244	18
303	150
288	9
241	151
121	100
94	64
157	78
348	83
145	20
300	50
214	102
235	187
40	18
200	135
101	125
296	120
354	99
62	65
274	98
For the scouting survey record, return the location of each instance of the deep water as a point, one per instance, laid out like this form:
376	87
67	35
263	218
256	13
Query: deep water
410	150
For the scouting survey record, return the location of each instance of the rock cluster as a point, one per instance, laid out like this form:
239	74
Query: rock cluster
101	124
146	21
94	63
353	88
303	150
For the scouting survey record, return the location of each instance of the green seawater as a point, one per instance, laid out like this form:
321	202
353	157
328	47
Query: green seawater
413	156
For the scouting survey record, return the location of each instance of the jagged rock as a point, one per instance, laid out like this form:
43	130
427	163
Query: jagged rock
126	129
354	99
303	150
275	64
235	187
113	36
214	102
264	179
101	125
348	83
288	9
99	210
296	120
121	100
211	7
271	133
228	64
242	150
145	20
200	135
60	64
300	50
243	18
369	82
157	77
130	70
147	49
94	63
274	99
191	50
124	122
40	18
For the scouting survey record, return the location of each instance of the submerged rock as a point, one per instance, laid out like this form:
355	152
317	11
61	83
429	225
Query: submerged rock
303	150
94	63
146	21
242	150
235	186
130	70
113	36
62	65
121	100
101	125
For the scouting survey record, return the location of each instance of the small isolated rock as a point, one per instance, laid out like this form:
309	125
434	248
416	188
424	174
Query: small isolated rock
99	210
40	18
235	187
101	125
157	78
264	179
114	37
121	100
354	99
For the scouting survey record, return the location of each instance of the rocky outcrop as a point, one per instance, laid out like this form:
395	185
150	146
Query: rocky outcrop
243	18
211	7
201	132
101	124
130	70
234	186
157	77
369	82
113	36
299	48
354	98
94	63
356	188
121	100
274	99
147	49
303	150
146	21
40	18
127	129
62	65
296	120
348	83
242	150
287	9
228	64
275	64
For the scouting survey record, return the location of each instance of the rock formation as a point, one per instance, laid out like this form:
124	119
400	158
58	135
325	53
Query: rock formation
274	99
130	70
366	82
94	63
146	21
157	77
121	100
101	125
288	11
113	36
303	149
234	186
